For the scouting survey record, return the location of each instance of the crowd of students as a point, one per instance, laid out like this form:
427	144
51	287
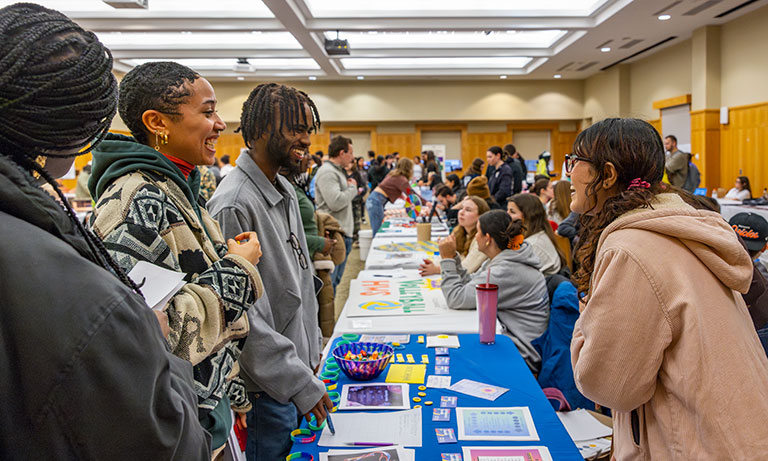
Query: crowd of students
664	338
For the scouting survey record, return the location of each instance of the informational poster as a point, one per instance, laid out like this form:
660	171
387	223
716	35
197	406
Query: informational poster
513	424
369	298
506	454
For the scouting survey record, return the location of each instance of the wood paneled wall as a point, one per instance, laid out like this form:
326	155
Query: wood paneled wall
744	147
705	141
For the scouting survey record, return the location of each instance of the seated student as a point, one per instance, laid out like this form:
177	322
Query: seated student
538	232
672	352
146	189
475	170
446	201
523	306
543	189
741	189
86	371
560	206
479	188
463	235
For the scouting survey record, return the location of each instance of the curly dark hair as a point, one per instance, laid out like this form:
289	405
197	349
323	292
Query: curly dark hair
636	151
159	86
501	227
270	100
57	93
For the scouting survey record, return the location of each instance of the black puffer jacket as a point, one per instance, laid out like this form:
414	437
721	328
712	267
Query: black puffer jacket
86	373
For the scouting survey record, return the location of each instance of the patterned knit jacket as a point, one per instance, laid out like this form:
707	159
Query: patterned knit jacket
145	216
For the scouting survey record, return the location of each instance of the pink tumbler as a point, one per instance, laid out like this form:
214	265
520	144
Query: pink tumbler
487	299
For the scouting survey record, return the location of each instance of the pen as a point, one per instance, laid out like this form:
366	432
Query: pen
330	423
382	275
369	444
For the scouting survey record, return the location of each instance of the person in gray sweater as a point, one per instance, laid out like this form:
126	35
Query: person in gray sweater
523	306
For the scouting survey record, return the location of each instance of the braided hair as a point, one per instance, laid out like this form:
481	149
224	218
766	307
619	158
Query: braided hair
159	86
57	96
269	100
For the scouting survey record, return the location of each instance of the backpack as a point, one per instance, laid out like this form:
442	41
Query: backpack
693	179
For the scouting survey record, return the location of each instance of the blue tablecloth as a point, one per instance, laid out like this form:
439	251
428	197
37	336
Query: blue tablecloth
499	364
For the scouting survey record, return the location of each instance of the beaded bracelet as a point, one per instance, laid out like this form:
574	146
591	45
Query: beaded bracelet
298	432
300	455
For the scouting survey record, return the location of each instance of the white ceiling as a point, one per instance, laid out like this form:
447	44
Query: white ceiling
394	39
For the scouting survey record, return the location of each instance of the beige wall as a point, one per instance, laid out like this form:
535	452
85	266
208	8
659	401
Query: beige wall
601	95
744	59
663	75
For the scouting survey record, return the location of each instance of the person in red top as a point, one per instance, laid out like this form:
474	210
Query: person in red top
394	185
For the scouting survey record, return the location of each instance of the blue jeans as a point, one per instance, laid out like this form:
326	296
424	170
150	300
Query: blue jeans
269	428
763	335
338	272
375	206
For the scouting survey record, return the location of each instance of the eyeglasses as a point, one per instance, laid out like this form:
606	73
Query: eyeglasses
571	160
294	241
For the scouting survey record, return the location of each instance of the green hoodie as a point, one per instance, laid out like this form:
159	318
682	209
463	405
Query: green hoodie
119	155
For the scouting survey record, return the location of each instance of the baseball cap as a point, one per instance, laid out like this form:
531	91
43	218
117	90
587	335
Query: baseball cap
752	228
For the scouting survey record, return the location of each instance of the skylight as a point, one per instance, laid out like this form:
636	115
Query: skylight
187	40
443	8
229	64
434	63
450	39
250	8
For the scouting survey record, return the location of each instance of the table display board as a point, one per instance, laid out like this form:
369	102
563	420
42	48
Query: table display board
370	298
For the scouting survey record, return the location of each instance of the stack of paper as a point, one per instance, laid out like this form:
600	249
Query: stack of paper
158	284
586	432
398	427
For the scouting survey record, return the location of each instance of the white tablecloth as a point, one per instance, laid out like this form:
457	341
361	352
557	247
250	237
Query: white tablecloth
729	209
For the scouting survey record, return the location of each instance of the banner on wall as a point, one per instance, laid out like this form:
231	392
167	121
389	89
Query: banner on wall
373	298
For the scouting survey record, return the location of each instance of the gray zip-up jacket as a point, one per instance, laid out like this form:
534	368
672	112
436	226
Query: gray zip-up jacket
285	341
334	196
523	306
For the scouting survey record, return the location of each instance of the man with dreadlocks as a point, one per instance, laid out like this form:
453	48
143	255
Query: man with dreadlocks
284	345
86	371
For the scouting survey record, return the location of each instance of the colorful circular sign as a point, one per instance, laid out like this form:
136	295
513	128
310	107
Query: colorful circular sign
381	305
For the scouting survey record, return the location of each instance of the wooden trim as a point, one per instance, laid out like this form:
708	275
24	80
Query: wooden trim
705	111
748	106
362	128
441	127
671	102
511	127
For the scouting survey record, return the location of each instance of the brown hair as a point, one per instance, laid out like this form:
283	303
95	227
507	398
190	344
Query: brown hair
404	168
535	219
476	167
464	238
539	185
635	150
338	143
562	201
501	227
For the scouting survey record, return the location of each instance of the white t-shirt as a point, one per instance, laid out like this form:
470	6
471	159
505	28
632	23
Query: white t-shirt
736	194
226	169
546	251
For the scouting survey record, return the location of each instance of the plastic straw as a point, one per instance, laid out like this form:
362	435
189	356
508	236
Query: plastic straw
488	277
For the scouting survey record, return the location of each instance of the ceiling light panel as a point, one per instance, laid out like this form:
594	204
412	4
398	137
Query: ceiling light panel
182	40
434	63
449	8
251	8
229	64
450	39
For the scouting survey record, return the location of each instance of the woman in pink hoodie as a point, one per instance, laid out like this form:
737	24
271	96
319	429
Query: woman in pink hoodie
664	338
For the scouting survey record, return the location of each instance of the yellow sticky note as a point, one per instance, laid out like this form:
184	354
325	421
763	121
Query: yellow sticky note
412	374
409	358
399	358
425	358
420	340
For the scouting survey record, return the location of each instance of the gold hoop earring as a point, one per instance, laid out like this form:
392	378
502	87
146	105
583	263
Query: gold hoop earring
165	138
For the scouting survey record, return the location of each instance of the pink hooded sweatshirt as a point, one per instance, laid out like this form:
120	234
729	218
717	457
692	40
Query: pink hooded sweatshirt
666	342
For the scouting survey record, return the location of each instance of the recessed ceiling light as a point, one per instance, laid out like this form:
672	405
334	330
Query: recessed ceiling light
664	17
558	76
241	78
605	49
360	77
503	77
312	77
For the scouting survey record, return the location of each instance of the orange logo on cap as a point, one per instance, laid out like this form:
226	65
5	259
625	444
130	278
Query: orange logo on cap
747	234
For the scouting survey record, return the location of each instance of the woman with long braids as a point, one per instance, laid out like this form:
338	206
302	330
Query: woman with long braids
523	305
146	189
664	338
86	371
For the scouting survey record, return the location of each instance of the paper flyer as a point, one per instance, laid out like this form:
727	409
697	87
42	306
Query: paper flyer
374	396
396	427
493	423
370	298
506	454
477	389
400	373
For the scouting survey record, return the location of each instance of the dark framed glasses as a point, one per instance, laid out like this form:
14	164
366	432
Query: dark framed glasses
572	159
294	241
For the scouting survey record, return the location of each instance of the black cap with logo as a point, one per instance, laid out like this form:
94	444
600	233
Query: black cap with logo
752	228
